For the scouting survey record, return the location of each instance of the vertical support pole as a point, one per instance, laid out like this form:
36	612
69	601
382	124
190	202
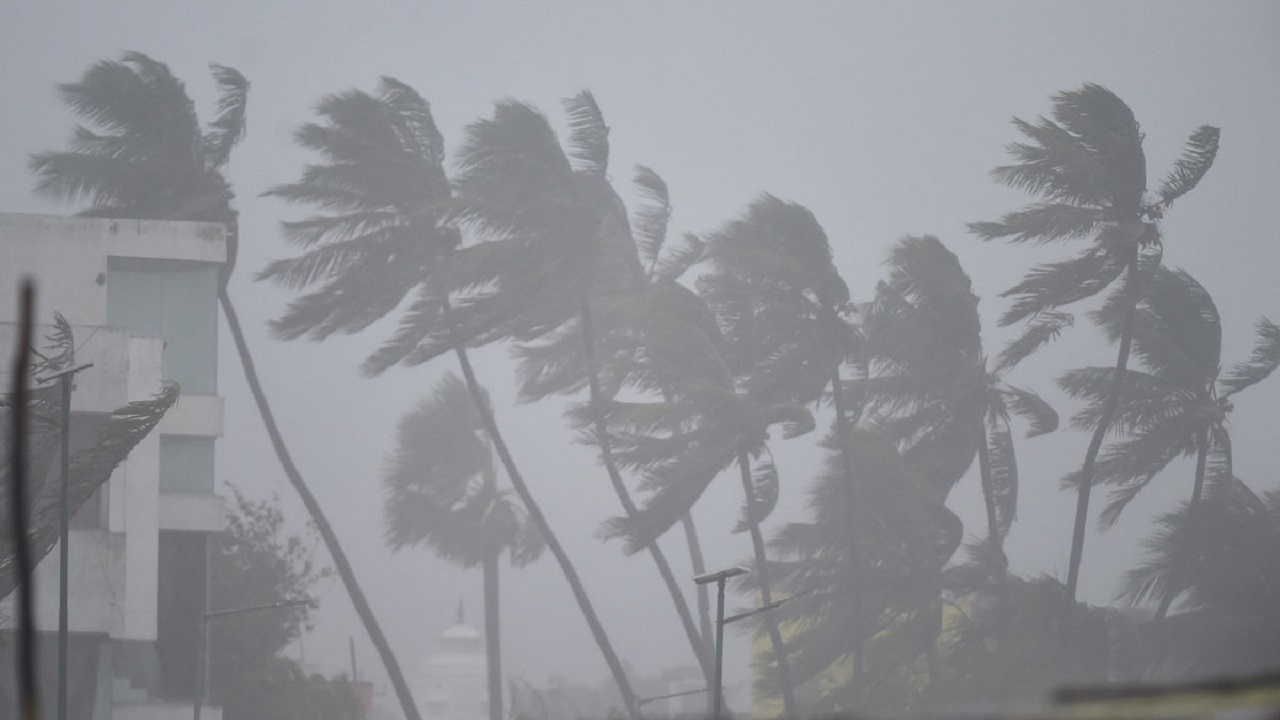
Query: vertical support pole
718	691
64	507
198	691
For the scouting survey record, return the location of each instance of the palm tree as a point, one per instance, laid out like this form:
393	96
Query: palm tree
928	384
903	535
751	352
558	271
388	229
1087	166
1178	406
441	490
150	159
1224	563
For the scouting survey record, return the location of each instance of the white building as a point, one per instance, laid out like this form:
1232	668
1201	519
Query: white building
452	683
141	297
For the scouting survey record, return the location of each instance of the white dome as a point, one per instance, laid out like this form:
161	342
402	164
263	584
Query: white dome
460	631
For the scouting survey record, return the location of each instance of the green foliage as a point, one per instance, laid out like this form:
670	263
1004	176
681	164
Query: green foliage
257	561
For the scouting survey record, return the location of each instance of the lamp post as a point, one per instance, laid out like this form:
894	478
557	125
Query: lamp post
65	379
201	641
719	578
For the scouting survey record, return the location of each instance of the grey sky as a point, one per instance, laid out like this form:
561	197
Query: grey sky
884	119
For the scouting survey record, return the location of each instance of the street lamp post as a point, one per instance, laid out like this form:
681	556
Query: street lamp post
201	640
719	578
65	379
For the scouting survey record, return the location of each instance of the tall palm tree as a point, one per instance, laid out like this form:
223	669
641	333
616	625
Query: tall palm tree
1178	406
387	229
558	271
1087	166
442	490
751	352
929	386
150	159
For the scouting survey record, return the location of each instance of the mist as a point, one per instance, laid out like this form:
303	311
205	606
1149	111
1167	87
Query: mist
883	120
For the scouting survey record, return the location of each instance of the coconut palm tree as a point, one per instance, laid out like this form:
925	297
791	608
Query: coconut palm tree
1088	168
929	386
842	606
150	159
558	271
1178	406
751	352
387	229
1222	563
441	490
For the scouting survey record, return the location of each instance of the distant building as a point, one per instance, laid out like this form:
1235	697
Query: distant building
452	683
142	299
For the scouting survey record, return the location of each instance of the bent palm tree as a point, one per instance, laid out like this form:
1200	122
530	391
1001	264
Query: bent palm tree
1088	166
151	160
929	385
387	230
751	352
1178	406
441	490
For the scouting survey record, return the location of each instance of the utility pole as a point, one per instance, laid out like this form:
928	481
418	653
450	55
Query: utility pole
719	578
65	378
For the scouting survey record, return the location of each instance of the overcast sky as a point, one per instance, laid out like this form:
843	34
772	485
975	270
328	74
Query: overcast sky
884	119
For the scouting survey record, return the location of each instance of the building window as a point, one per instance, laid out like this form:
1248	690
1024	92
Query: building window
175	301
186	464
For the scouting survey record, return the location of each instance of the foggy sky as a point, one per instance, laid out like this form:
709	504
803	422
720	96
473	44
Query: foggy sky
883	119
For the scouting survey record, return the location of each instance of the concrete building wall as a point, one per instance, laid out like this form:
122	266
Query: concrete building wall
114	591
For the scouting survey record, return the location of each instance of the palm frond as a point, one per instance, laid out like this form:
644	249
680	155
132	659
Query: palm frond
651	218
1031	407
1042	329
1004	479
1190	169
764	496
1053	285
228	126
588	135
1264	360
677	261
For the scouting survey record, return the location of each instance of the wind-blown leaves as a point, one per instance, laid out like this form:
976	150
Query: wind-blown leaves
1190	169
1263	362
228	127
764	480
650	219
1032	408
1004	479
1042	329
90	467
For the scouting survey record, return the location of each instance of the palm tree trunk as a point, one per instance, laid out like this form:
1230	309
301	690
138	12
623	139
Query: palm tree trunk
629	506
1187	546
766	596
1091	455
699	565
846	469
553	543
492	635
340	561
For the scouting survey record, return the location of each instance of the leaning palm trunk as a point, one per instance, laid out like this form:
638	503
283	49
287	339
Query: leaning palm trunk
492	636
1189	540
340	561
766	596
696	640
1091	455
553	543
846	469
699	566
